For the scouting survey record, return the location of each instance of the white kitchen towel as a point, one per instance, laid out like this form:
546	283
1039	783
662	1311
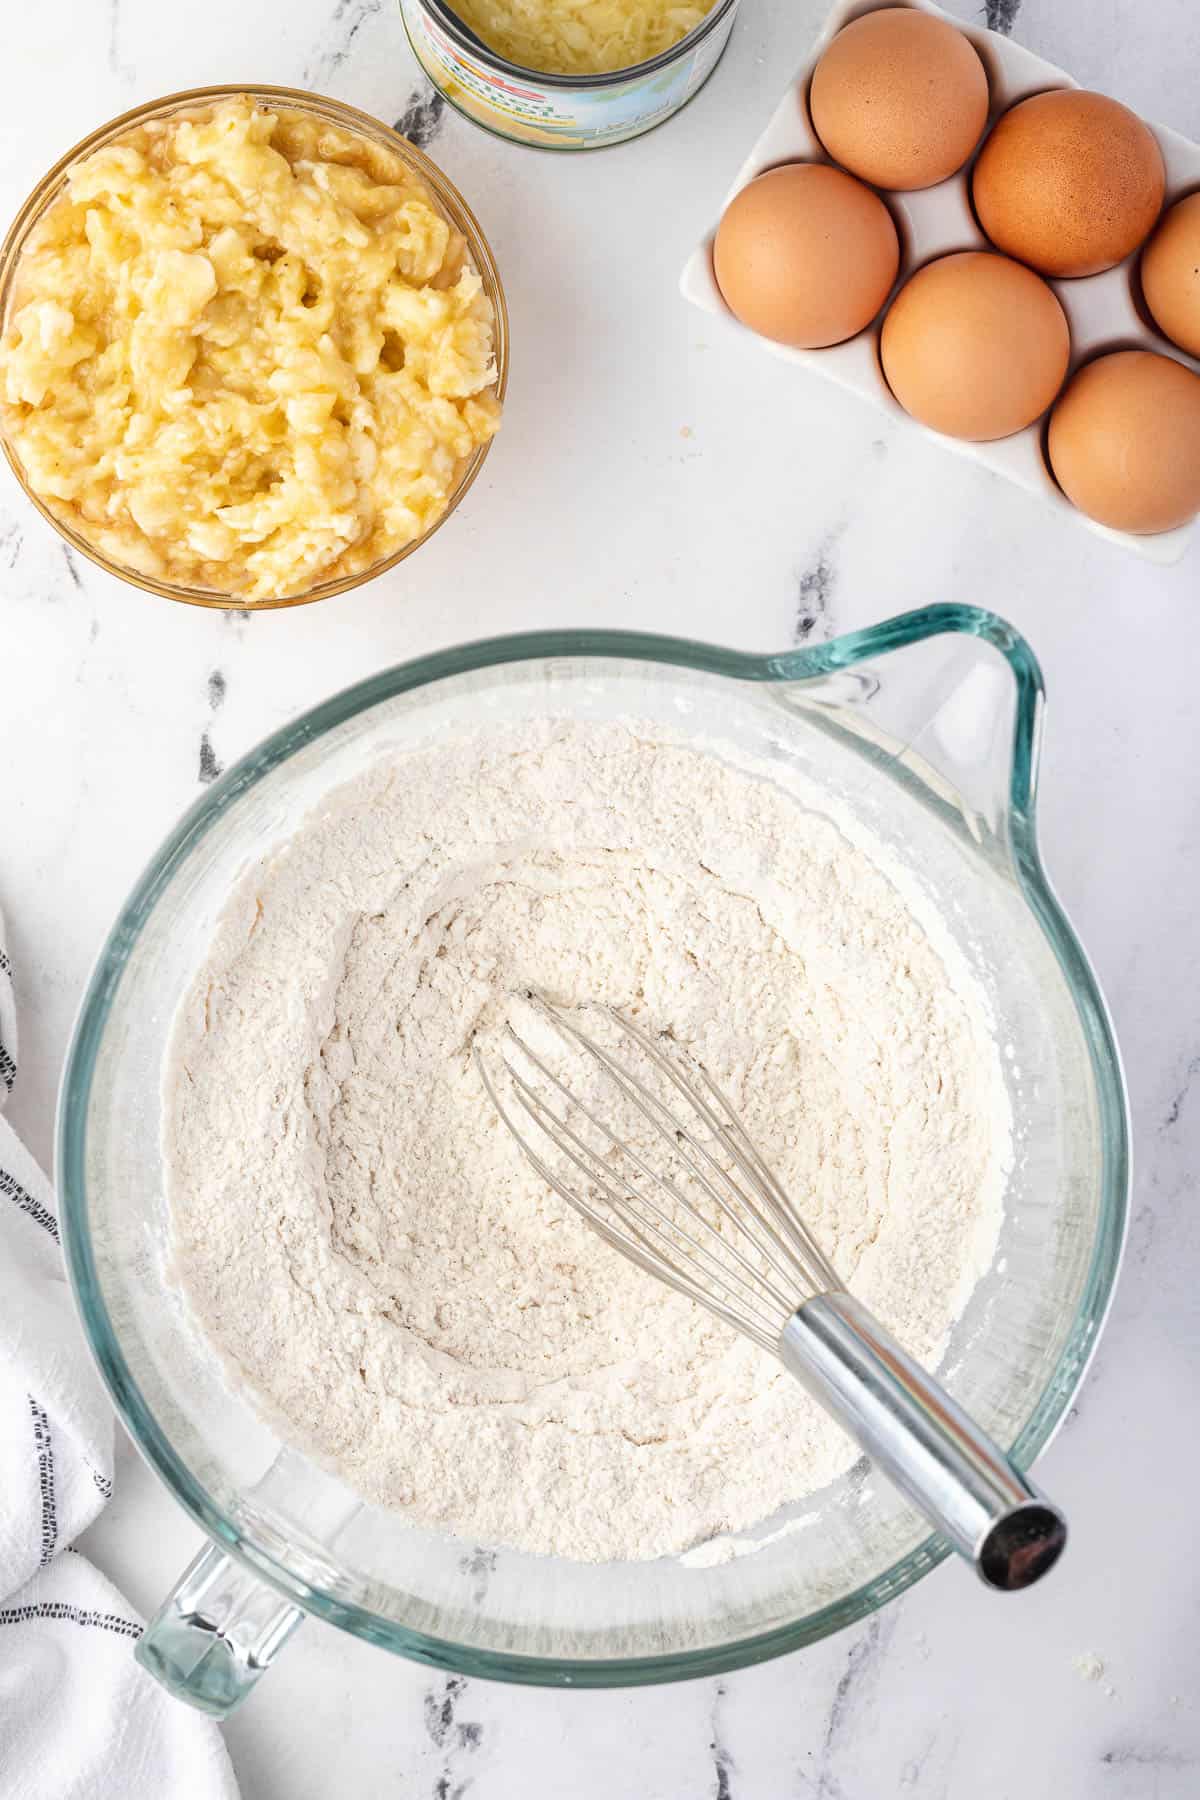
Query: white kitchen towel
79	1720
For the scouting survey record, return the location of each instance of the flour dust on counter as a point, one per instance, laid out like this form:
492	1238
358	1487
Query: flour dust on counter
375	1261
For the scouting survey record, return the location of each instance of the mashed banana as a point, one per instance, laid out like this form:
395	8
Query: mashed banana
246	352
580	37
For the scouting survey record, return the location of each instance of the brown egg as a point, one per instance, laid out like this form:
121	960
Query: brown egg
900	98
806	255
975	346
1171	274
1069	182
1124	441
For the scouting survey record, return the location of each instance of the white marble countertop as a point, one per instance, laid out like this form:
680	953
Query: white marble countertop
647	477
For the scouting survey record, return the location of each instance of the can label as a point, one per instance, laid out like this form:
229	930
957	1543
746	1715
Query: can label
516	106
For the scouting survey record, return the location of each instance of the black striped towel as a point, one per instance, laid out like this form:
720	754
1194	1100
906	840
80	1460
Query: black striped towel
79	1720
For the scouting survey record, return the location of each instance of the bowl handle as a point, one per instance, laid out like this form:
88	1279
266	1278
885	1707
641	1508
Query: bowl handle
949	698
215	1633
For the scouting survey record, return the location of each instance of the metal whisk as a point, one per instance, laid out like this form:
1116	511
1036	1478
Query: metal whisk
709	1218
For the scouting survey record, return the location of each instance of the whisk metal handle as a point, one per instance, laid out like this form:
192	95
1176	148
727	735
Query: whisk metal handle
925	1443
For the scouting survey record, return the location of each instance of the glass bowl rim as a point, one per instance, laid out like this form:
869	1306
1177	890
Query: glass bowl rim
793	665
354	119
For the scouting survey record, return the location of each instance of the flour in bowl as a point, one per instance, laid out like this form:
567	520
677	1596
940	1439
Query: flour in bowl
365	1245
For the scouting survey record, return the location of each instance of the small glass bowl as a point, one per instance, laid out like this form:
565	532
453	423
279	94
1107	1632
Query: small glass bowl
454	209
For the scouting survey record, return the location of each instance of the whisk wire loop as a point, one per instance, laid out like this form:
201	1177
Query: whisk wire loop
793	1239
633	1242
675	1135
767	1242
770	1224
744	1253
587	1161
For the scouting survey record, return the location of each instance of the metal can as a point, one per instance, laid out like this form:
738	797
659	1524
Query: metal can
561	112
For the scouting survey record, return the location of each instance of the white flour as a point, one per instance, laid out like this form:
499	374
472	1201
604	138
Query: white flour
368	1250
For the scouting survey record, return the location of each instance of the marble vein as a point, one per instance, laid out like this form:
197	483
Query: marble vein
347	20
914	1769
1179	1099
722	1756
480	1565
209	768
815	591
1001	15
116	67
1147	1756
422	118
859	1678
453	1737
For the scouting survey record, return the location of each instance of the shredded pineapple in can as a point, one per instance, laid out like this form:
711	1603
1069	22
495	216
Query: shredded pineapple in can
580	37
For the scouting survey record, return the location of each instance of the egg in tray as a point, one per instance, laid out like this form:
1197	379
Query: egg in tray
945	223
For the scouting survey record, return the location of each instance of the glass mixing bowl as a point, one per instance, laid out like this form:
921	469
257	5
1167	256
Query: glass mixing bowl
927	729
446	197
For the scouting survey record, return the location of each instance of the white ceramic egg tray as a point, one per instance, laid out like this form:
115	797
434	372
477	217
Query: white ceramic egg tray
1104	311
